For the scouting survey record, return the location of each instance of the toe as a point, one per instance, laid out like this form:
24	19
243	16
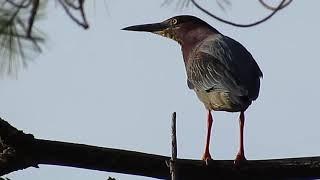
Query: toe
206	158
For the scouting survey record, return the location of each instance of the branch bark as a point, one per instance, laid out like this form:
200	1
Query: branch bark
19	150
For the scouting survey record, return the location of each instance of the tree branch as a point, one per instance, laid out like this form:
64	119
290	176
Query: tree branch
67	5
22	5
19	150
34	10
277	9
274	8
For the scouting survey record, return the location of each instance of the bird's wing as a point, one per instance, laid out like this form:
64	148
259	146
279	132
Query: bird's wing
245	67
206	72
220	62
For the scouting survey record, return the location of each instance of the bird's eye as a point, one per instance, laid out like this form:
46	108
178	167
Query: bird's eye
174	21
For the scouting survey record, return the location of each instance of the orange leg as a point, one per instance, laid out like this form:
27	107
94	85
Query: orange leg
206	156
240	156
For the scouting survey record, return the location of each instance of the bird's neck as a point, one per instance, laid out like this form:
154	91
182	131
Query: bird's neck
192	38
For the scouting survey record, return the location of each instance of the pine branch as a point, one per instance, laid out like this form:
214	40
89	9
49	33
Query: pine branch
18	36
20	150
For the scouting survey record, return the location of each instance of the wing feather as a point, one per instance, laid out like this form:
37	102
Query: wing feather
222	64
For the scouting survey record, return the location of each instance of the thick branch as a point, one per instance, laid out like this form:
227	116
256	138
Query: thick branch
20	151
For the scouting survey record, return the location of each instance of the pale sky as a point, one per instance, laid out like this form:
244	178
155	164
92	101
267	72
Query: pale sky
117	89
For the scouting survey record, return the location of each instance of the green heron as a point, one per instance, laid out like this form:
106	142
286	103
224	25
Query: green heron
219	69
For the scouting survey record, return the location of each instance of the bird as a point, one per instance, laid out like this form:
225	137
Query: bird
221	71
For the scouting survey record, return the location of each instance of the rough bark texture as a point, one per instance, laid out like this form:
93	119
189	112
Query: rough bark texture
19	151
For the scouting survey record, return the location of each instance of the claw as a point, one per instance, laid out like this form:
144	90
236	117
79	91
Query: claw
207	158
240	159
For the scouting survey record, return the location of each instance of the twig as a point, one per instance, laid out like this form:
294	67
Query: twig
174	147
22	5
35	40
72	5
274	8
84	24
83	15
236	24
12	18
23	36
34	10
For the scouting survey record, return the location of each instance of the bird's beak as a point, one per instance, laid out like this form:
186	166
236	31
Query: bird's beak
156	27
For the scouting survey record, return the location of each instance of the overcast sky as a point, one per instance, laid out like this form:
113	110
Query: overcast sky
117	89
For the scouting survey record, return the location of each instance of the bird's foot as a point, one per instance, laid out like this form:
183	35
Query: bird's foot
240	159
207	158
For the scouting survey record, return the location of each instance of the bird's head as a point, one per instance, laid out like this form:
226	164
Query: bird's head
177	28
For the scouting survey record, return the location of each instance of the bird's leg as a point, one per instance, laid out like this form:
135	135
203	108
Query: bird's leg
206	156
240	156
